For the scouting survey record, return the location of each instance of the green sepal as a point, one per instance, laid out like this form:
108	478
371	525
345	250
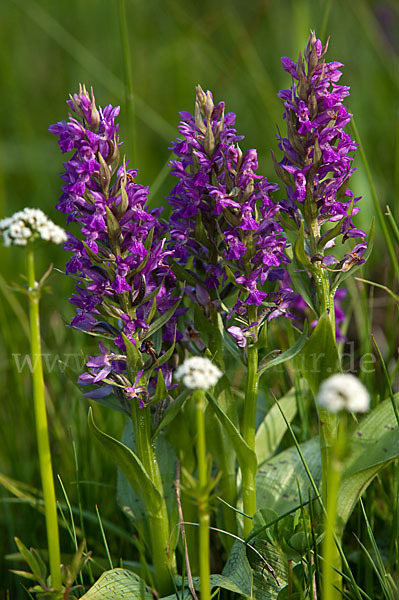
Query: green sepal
104	175
124	205
134	358
161	391
161	320
114	230
92	255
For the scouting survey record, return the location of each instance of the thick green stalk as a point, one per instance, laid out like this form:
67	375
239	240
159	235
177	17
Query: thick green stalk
226	460
331	556
43	444
248	430
328	421
158	518
203	500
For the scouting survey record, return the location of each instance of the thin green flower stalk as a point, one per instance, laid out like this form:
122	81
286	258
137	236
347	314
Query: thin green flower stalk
43	443
199	374
24	229
338	395
203	498
248	429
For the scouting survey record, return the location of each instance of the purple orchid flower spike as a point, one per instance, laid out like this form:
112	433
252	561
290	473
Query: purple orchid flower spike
316	167
224	225
121	263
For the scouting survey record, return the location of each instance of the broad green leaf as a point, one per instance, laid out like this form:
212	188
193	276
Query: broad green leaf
374	444
130	465
319	357
237	570
288	354
245	456
278	478
119	584
128	499
273	427
269	567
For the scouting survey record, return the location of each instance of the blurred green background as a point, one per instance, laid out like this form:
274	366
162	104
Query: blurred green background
231	47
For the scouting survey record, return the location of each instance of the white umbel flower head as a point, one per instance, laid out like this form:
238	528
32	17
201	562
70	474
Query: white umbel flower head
198	373
343	392
28	225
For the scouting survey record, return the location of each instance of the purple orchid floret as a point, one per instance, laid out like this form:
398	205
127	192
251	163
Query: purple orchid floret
223	217
318	153
121	262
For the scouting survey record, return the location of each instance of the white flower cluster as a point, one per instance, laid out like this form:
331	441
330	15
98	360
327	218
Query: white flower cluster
198	373
343	392
29	225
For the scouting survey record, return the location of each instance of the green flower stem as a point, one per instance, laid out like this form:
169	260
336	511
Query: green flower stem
248	429
203	499
328	421
226	462
331	556
158	518
43	444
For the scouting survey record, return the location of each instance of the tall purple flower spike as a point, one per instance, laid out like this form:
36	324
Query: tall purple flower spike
223	214
317	162
315	169
121	265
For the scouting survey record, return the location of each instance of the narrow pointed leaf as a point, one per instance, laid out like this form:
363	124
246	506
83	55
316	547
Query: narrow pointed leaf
288	354
245	456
